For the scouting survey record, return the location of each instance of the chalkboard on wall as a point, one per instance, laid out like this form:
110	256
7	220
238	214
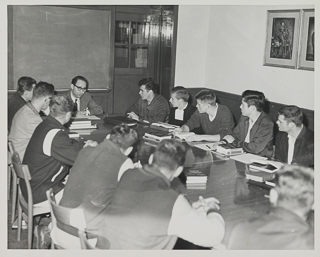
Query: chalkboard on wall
55	44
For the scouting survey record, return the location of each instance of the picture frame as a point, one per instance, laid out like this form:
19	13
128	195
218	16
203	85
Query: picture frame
306	46
282	42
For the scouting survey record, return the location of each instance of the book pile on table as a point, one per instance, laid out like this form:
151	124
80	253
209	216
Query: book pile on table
82	126
163	126
262	173
156	136
196	179
228	149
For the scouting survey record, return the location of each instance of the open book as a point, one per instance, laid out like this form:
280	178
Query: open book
184	135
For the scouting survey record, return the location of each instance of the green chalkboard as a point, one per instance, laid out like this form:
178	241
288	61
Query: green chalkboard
55	44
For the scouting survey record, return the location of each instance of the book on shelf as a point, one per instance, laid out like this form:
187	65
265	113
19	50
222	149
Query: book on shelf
259	175
156	135
228	149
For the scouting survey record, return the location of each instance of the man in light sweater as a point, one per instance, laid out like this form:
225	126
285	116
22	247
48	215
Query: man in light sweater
146	213
28	118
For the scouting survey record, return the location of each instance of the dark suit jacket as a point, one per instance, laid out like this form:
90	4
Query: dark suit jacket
261	135
86	100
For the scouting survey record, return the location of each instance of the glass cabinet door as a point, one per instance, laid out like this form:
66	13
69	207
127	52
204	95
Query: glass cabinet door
131	44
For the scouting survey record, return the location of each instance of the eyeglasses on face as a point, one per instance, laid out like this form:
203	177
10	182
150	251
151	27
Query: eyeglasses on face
81	89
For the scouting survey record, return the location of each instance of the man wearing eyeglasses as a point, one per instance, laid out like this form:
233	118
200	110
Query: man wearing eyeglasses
84	103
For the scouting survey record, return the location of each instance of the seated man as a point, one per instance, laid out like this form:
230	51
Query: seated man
150	107
254	132
51	152
146	213
294	142
215	119
96	172
285	227
84	103
181	110
19	98
28	118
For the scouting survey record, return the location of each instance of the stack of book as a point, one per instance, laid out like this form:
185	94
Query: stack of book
156	136
228	149
163	126
196	179
82	124
262	173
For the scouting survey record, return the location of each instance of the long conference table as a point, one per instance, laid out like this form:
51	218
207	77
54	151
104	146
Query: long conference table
226	181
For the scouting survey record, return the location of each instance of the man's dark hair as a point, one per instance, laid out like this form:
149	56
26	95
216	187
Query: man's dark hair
60	105
207	96
123	136
181	93
256	98
43	89
292	113
169	154
75	80
25	84
150	84
295	185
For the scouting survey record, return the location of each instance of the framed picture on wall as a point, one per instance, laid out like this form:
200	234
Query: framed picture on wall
306	48
282	38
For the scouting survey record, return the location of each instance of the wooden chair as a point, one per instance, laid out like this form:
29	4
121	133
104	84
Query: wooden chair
12	180
67	223
26	209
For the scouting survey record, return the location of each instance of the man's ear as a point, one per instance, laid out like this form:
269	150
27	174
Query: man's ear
150	159
128	151
108	136
273	197
71	86
178	171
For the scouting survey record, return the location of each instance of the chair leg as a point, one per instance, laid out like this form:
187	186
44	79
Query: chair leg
9	182
14	198
30	230
19	221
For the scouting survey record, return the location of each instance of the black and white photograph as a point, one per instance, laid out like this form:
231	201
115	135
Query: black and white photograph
184	126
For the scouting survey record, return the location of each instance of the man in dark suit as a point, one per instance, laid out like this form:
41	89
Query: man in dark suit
84	103
254	132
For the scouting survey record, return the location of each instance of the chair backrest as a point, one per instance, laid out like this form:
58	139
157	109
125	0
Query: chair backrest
22	172
84	241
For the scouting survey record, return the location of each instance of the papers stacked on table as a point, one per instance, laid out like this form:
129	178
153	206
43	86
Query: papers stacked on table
228	149
82	124
196	179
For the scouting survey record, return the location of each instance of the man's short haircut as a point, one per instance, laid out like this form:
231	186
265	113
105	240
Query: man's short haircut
75	80
295	185
292	113
149	83
123	136
181	93
25	84
256	98
43	89
169	154
60	105
207	96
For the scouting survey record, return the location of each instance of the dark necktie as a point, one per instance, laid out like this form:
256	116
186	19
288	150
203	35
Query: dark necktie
75	106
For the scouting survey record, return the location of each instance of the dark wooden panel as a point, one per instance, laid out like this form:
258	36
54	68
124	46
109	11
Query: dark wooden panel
233	102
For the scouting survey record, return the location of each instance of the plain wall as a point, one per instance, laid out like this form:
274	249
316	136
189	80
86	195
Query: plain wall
232	61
